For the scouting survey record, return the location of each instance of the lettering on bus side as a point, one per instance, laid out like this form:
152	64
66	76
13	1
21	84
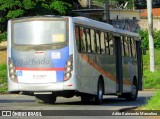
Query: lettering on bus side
33	62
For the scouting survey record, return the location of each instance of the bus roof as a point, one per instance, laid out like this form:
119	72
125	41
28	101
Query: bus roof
105	26
91	23
128	33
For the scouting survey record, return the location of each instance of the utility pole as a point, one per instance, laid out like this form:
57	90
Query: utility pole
133	4
89	4
107	12
150	32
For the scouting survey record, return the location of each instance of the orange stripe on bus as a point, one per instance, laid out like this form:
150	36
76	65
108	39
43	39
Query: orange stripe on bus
102	71
127	82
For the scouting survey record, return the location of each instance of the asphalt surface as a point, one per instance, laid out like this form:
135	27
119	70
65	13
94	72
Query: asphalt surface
22	102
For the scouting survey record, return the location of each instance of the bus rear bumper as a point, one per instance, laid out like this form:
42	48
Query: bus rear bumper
49	87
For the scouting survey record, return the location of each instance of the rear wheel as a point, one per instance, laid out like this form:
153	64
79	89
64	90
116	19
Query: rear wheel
132	96
46	98
99	96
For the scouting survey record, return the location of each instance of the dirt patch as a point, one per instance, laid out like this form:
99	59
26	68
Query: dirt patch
3	57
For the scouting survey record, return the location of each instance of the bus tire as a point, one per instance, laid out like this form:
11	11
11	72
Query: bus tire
99	96
132	96
47	98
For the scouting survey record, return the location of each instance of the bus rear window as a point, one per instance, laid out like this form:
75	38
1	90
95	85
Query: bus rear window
39	32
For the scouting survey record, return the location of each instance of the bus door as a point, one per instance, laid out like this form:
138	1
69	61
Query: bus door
140	64
119	69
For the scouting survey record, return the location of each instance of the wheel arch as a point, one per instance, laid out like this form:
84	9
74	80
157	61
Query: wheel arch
102	80
135	81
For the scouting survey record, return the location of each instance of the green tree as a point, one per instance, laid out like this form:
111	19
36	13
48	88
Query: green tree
19	8
131	3
145	39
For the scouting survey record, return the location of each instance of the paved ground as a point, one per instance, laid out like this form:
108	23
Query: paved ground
23	102
20	102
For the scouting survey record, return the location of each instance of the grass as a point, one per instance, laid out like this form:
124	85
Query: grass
146	60
153	103
3	72
3	57
3	78
151	80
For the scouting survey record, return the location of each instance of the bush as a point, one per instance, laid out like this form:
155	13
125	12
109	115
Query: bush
145	39
3	78
153	103
151	80
3	72
3	36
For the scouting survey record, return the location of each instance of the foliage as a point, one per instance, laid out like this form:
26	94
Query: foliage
3	78
150	79
118	1
153	103
156	38
142	4
3	73
3	88
115	2
3	36
145	38
17	8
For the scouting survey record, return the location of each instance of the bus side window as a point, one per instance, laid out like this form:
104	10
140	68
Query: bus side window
93	40
126	44
98	43
133	44
102	43
83	40
78	35
129	47
122	45
110	37
107	44
130	44
88	40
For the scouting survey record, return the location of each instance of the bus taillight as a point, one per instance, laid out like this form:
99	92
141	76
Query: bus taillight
69	68
12	71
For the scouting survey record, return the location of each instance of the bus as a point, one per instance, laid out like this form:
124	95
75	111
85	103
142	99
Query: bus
51	56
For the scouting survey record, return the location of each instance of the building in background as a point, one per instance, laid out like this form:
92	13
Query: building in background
120	16
143	23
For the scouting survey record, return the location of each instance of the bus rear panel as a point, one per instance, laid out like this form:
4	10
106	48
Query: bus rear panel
38	55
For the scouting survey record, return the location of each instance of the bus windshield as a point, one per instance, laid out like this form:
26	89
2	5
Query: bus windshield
39	32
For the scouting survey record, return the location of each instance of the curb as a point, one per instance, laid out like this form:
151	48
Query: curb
128	109
151	89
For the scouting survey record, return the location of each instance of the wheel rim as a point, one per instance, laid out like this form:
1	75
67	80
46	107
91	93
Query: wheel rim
100	93
134	91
